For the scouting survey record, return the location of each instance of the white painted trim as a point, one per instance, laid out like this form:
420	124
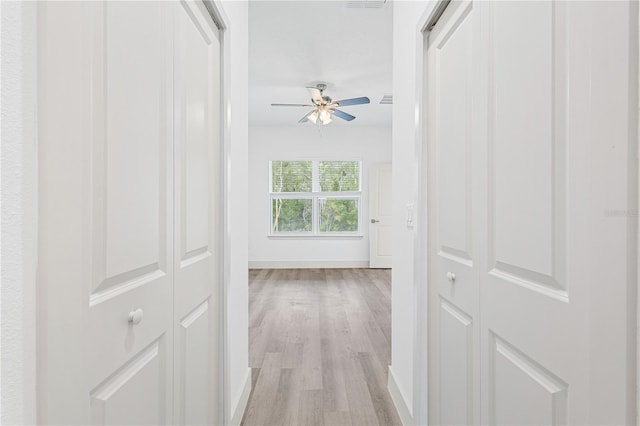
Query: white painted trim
421	237
400	402
638	248
307	264
217	12
243	399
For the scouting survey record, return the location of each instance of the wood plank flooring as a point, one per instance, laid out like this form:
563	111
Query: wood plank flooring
319	347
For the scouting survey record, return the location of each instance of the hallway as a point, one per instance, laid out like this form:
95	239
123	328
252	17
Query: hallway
319	347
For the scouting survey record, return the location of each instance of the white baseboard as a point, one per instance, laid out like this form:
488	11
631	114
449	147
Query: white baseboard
399	400
241	405
307	264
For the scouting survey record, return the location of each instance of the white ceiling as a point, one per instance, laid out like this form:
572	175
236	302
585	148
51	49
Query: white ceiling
294	44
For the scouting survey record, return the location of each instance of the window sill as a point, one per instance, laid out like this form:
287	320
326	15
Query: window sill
315	237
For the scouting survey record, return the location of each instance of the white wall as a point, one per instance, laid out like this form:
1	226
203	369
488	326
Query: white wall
406	15
19	218
237	374
371	145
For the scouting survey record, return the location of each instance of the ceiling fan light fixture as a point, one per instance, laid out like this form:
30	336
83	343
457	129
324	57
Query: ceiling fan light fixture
325	117
313	117
325	107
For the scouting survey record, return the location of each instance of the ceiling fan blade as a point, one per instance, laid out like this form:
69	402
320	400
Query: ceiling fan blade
316	94
352	101
305	118
343	115
296	105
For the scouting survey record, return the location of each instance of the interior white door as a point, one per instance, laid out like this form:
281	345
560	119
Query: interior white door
454	361
106	213
380	231
197	208
542	304
129	133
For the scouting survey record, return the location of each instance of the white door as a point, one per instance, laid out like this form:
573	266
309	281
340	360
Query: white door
537	326
197	271
380	216
112	259
454	359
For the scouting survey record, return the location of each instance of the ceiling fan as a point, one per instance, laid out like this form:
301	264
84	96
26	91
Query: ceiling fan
325	107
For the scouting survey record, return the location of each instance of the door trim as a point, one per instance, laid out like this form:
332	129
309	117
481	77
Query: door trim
427	21
220	19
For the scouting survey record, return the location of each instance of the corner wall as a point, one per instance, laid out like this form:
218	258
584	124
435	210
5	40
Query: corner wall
406	15
237	372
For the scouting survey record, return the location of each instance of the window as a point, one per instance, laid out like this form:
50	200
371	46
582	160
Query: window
315	198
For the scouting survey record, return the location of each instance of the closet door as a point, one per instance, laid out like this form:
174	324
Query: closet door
532	198
197	212
454	351
556	284
106	213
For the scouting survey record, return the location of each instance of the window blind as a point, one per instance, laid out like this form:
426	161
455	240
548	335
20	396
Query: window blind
291	176
339	176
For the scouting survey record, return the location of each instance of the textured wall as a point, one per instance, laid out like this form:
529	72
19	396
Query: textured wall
19	212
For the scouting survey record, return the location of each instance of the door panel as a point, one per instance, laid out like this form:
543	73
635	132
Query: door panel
523	391
453	326
136	394
452	131
195	334
197	148
527	145
456	365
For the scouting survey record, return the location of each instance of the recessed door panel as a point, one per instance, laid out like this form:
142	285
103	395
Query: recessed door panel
524	392
195	387
195	146
129	148
527	144
136	393
456	365
453	137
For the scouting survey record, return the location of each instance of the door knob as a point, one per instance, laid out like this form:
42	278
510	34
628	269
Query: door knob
374	221
451	277
136	316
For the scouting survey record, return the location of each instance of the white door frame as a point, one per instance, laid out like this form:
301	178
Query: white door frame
19	303
430	16
421	268
216	10
220	19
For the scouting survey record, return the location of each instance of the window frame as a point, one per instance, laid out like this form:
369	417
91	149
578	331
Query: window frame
315	195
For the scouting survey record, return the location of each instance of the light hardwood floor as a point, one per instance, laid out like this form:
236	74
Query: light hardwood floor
319	347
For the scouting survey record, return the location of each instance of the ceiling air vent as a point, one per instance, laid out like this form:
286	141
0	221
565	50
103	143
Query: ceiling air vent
386	100
365	4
